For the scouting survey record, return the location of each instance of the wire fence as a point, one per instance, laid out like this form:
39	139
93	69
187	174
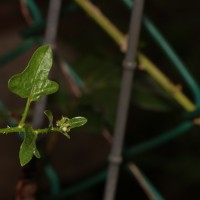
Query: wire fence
118	37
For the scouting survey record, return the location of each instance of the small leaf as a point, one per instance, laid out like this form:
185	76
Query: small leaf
76	122
33	82
36	153
49	115
28	147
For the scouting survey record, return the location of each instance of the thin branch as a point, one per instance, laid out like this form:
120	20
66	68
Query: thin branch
25	113
22	130
149	190
165	82
147	65
96	14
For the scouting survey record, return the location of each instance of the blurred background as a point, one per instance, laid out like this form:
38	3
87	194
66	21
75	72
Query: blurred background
88	67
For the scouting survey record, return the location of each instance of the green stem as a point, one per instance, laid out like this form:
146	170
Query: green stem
21	130
164	81
24	115
46	130
11	130
103	22
148	66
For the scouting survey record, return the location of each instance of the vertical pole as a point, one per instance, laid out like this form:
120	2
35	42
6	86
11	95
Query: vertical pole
129	65
50	38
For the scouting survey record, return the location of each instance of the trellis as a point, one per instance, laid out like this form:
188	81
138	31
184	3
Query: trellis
129	66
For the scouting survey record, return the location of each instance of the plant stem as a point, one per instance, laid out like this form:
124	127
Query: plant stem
103	21
164	81
145	184
21	130
11	130
46	130
24	115
148	66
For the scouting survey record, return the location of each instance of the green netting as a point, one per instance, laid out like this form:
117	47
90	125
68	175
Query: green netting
56	192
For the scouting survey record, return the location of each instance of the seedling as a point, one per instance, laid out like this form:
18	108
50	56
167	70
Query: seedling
32	84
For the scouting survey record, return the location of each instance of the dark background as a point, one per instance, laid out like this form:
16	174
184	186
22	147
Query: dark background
173	167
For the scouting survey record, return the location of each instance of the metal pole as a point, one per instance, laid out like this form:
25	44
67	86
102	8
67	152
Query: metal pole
50	38
129	65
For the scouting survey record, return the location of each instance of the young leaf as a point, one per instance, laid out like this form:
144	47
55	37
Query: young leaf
76	122
33	82
36	152
65	124
49	116
28	147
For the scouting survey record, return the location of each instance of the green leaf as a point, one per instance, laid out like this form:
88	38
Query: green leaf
49	115
76	122
28	147
33	82
36	152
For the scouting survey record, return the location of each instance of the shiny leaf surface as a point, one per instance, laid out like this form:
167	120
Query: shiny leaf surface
28	147
76	122
33	82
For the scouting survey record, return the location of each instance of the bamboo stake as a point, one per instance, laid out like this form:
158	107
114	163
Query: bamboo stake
50	37
146	64
129	66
